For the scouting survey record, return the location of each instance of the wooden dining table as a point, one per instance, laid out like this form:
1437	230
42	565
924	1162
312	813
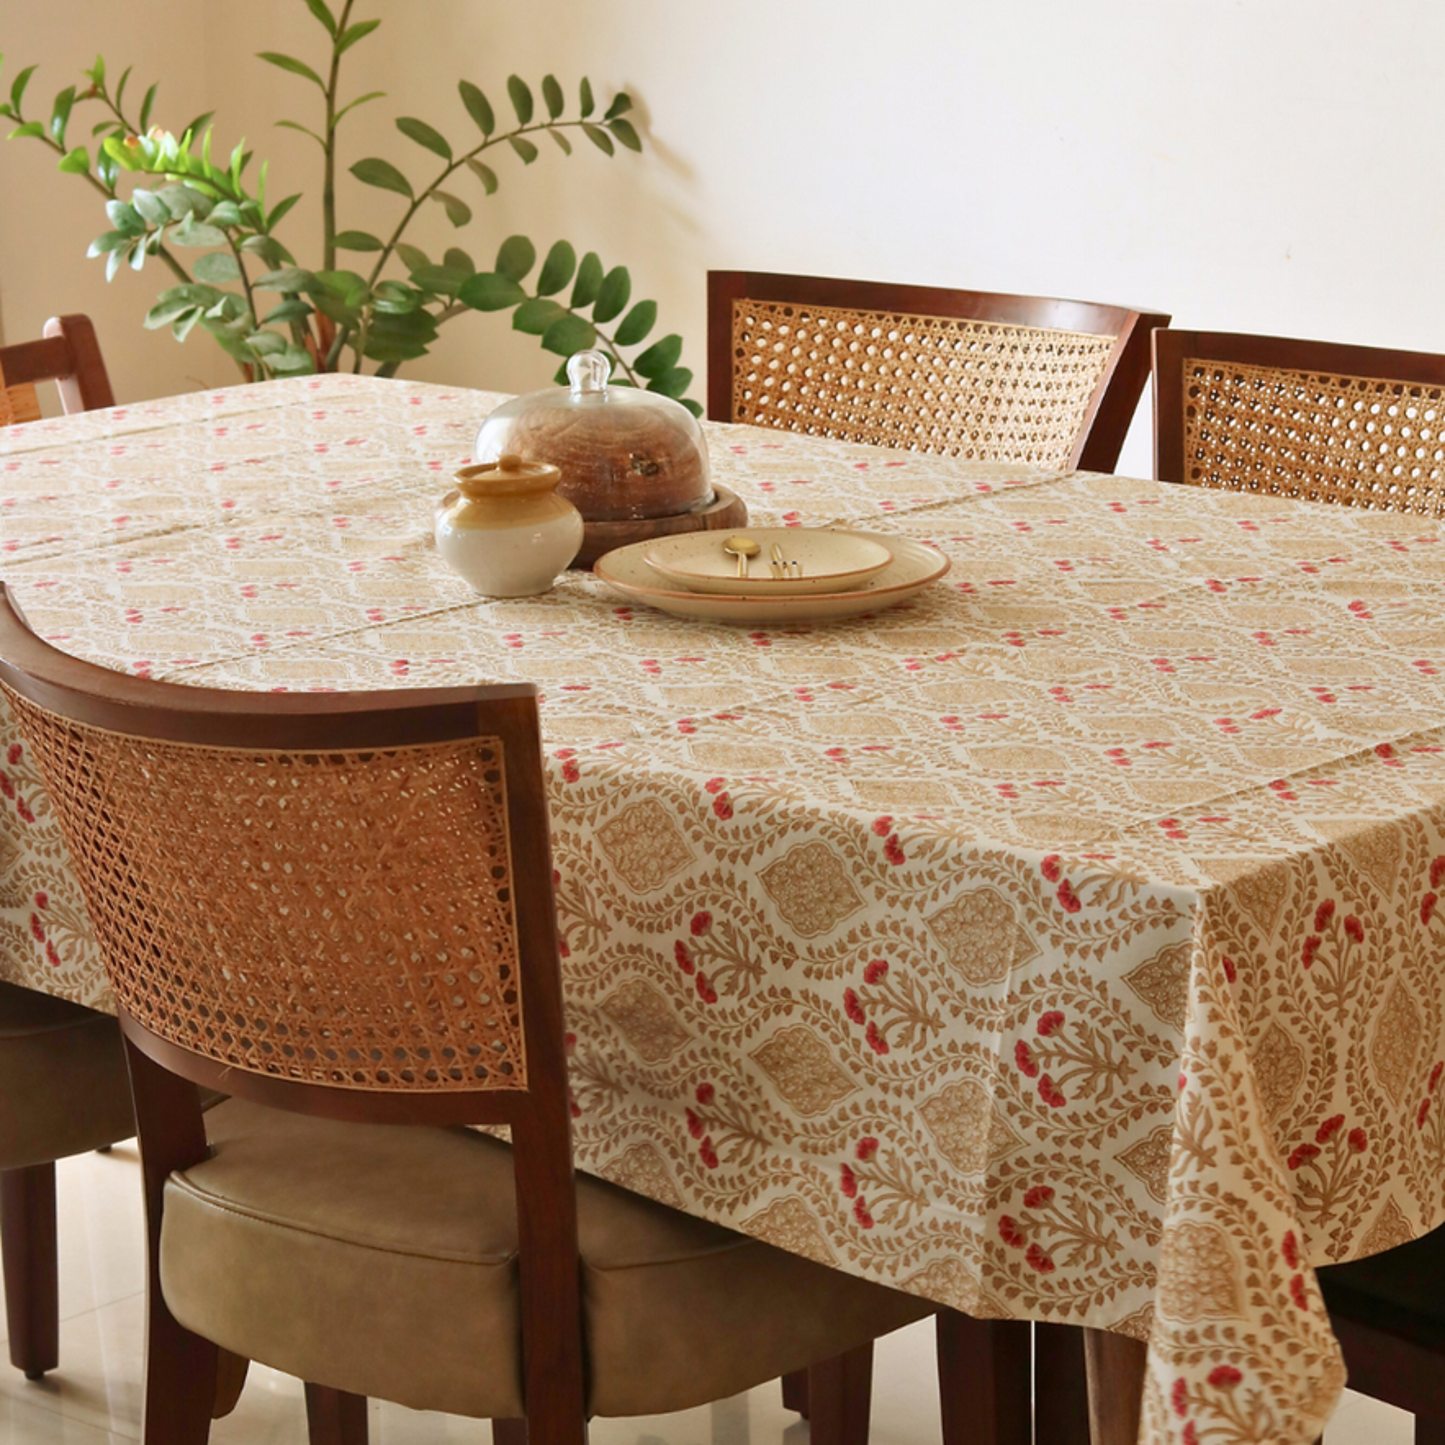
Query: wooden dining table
1064	943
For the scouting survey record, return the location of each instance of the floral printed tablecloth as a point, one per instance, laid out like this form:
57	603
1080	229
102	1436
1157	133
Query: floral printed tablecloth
1064	944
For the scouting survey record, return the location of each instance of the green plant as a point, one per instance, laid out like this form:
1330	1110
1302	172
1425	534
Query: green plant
277	318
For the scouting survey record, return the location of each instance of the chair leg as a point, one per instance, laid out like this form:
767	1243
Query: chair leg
1061	1387
985	1380
509	1432
335	1417
1116	1367
795	1393
28	1252
840	1395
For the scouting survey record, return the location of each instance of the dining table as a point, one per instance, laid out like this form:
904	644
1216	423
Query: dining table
1063	943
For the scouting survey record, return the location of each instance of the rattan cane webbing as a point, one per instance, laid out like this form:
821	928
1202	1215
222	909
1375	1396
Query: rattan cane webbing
17	403
1313	436
974	389
342	918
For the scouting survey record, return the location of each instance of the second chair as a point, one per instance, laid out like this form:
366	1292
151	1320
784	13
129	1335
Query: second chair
976	374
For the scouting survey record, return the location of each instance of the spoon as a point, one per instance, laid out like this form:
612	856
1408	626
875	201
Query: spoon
744	549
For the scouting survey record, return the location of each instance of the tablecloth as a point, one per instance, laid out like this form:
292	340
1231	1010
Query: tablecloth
1063	944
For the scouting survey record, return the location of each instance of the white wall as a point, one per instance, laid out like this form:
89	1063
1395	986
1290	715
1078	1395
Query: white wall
1246	164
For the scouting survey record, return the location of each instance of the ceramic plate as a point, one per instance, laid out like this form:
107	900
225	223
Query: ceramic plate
913	567
831	561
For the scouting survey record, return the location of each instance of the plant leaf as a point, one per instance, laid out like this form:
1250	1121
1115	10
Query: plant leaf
124	218
31	127
352	34
478	107
289	278
76	163
487	291
224	215
694	407
376	172
552	96
412	257
305	130
568	335
589	281
358	241
671	383
624	132
319	10
637	323
280	209
290	63
557	269
659	358
441	280
458	212
458	260
613	295
292	309
485	174
106	242
60	115
17	88
194	235
424	135
360	100
219	268
536	314
562	141
589	103
523	148
521	95
185	323
621	104
599	138
516	257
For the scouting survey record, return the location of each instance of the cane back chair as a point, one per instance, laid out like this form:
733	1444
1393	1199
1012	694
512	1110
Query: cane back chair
68	355
1310	420
62	1070
338	910
975	374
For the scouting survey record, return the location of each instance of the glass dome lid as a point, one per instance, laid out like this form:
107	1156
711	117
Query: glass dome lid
623	453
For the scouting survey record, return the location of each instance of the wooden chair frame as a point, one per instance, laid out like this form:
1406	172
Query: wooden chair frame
1111	408
68	355
1172	349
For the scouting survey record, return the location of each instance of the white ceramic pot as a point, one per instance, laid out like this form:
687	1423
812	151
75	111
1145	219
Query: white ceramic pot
506	530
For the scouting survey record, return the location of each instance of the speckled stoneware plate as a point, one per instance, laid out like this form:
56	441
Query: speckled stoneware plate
913	566
825	560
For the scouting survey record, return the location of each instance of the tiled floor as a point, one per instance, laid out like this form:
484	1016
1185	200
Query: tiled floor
95	1396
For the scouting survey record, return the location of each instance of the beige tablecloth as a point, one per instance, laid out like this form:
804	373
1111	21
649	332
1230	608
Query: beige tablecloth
1064	944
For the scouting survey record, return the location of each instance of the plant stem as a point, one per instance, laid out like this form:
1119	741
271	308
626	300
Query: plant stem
487	144
328	186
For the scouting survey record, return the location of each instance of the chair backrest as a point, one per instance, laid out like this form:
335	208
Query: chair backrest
1310	420
975	374
68	355
339	904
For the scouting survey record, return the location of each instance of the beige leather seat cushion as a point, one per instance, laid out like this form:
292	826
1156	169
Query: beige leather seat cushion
382	1260
63	1084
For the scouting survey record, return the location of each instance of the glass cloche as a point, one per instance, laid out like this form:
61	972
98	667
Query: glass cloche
623	453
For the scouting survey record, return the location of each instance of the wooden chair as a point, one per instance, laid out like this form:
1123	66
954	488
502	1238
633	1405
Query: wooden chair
62	1069
974	374
1310	420
1388	1313
68	355
338	908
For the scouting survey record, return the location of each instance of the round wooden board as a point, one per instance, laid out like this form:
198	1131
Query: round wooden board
728	512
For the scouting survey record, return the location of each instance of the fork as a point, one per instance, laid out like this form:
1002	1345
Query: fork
782	569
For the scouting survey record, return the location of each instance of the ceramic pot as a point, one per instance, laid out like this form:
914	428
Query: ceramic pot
506	530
